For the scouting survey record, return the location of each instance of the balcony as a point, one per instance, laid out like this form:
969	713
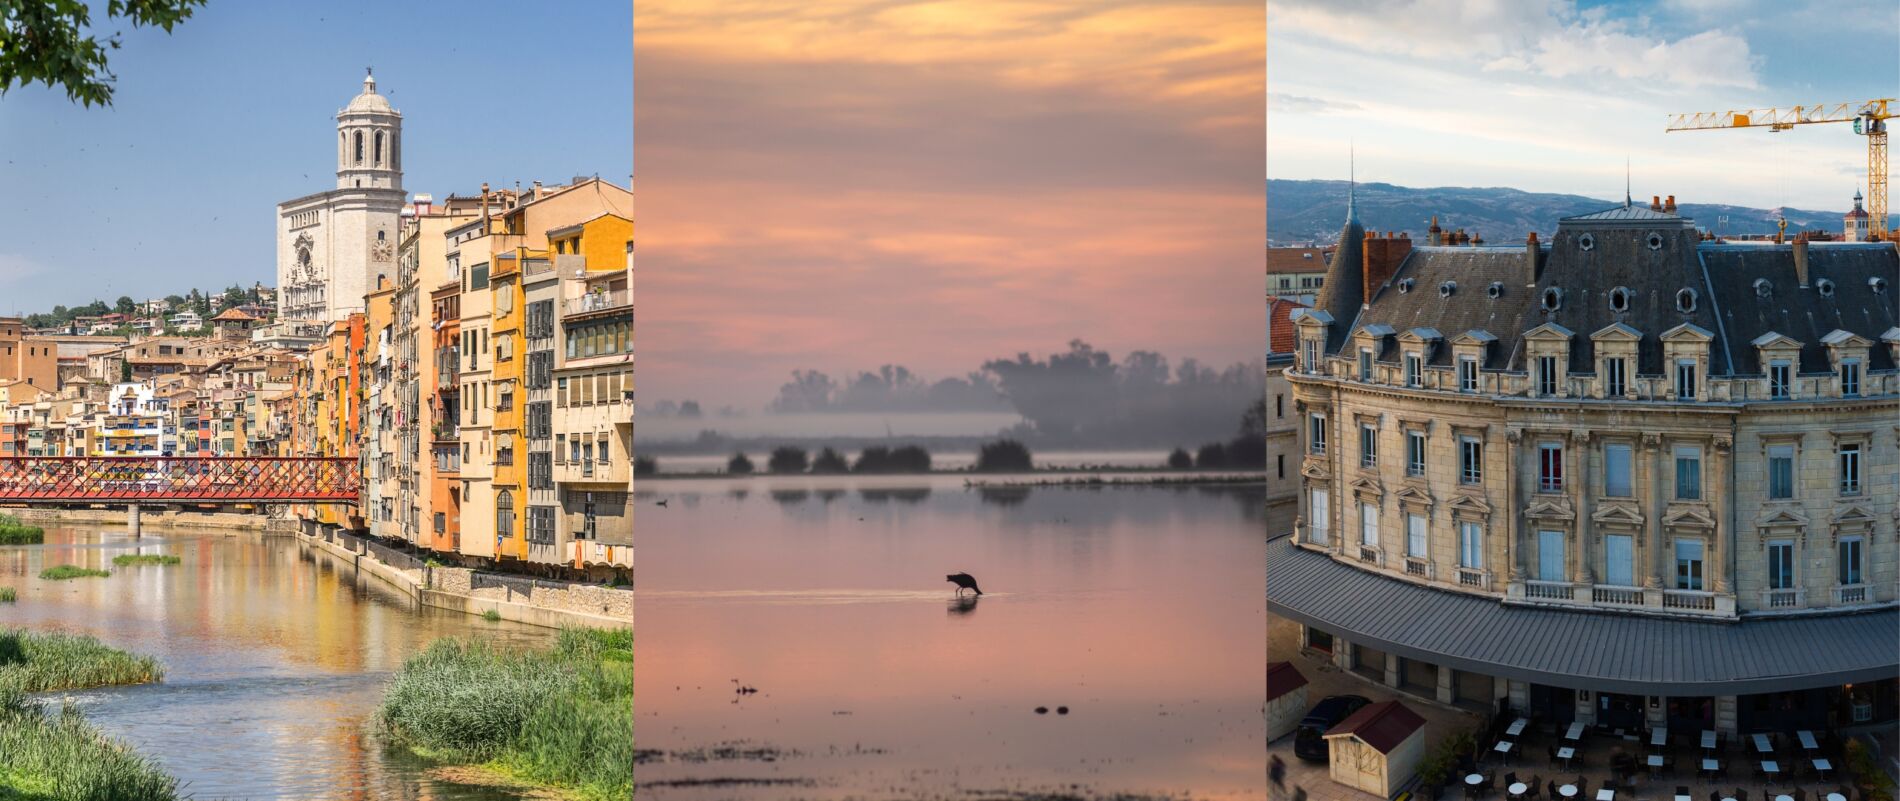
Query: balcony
1418	567
1474	578
1851	594
1688	600
1369	554
587	553
597	302
1548	590
1613	595
1782	599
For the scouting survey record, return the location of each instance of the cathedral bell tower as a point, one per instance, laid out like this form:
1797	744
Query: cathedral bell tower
369	142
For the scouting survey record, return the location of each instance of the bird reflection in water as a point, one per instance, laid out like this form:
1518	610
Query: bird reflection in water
963	605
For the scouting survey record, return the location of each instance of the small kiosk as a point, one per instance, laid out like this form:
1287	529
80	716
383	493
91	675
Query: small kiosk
1377	748
1286	699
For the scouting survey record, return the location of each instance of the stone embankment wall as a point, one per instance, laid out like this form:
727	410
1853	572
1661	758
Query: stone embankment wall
149	517
539	602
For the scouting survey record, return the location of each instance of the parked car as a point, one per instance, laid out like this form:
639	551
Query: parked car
1307	742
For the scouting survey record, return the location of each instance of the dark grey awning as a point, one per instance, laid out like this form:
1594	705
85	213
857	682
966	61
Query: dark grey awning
1598	651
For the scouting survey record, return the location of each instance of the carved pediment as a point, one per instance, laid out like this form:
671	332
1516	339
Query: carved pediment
1311	318
1549	332
1855	519
1470	507
1790	518
1617	514
1617	332
1556	507
1366	487
1687	332
1415	498
1315	468
1688	516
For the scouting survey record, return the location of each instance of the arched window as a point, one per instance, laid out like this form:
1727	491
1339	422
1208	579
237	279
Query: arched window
504	514
379	148
359	147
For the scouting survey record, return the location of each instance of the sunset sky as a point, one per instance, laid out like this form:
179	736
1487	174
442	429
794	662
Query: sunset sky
839	184
1554	95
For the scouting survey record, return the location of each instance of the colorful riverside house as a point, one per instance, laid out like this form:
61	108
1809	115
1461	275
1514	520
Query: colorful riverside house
445	447
378	410
593	398
331	391
505	317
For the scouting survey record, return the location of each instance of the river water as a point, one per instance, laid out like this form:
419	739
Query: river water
1136	607
275	657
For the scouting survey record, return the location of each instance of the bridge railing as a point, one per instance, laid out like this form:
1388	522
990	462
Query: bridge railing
161	479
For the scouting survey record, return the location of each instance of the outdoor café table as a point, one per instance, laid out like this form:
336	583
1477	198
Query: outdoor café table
1784	798
1654	760
1566	790
1836	797
1658	736
1685	798
1807	740
1710	765
1708	740
1761	744
1575	732
1518	788
1503	747
1769	767
1475	779
1517	726
1610	795
1566	753
1822	766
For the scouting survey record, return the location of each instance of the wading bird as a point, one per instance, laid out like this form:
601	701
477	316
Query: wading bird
963	581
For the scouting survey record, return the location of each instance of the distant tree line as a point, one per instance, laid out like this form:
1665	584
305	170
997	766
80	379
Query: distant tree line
1246	451
203	304
892	388
790	459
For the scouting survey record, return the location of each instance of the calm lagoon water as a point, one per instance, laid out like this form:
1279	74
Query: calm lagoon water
274	658
1138	608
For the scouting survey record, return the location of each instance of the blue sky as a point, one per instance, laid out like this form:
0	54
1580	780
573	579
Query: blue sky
1552	95
176	184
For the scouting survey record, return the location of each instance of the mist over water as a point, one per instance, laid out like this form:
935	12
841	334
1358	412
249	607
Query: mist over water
1136	607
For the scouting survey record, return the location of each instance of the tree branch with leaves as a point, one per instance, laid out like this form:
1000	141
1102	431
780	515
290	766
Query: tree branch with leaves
53	42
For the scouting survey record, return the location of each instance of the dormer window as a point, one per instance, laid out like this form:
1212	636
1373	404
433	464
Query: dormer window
1615	376
1655	241
1414	370
1850	378
1877	284
1365	365
1825	287
1586	242
1553	299
1620	299
1547	376
1467	374
1763	288
1446	289
1404	285
1685	379
1495	290
1685	300
1309	355
1778	380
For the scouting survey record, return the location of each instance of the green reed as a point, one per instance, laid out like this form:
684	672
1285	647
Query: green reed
34	661
129	559
61	756
63	572
7	595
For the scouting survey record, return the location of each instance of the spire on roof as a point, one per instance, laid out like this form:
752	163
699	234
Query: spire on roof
369	80
1352	182
1627	202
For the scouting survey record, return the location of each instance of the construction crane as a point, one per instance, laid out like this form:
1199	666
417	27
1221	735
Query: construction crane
1869	119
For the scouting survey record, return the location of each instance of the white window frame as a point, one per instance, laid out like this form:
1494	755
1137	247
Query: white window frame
1417	535
1368	524
1615	453
1415	453
1365	365
1697	578
1470	460
1316	433
1785	455
1685	379
1688	453
1850	378
1547	376
1848	457
1471	544
1368	445
1414	370
1550	467
1467	374
1781	551
1615	376
1320	506
1780	380
1850	569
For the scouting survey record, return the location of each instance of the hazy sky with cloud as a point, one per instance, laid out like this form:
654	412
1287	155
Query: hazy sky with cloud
838	184
1552	95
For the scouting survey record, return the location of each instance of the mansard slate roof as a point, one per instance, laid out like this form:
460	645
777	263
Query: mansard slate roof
1722	276
1576	648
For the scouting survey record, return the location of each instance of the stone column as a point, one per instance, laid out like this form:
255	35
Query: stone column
1513	495
1446	677
1722	459
1579	487
1394	674
1342	653
1726	720
132	518
1658	456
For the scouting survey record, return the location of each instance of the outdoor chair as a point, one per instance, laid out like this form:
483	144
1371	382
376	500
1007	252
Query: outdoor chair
1552	787
1535	788
1510	778
1800	794
1682	789
1741	795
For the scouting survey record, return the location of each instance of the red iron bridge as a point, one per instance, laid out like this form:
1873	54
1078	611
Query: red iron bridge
167	479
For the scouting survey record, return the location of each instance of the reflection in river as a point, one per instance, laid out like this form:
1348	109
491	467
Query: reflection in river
1130	613
275	657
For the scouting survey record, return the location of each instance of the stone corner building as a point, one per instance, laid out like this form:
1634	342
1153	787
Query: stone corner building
332	245
1632	475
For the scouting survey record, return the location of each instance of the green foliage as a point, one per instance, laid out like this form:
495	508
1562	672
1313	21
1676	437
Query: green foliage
33	662
1004	455
903	459
1435	767
129	559
63	572
739	465
562	717
8	595
1180	460
52	42
13	532
1212	456
63	757
491	616
1874	782
830	461
787	459
645	465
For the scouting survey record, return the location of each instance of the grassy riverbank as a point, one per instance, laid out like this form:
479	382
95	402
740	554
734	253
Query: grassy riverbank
129	559
561	717
35	661
48	755
13	532
63	572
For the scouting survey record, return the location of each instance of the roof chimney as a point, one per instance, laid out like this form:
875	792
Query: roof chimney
1380	258
484	201
1670	204
1530	259
1655	202
1801	261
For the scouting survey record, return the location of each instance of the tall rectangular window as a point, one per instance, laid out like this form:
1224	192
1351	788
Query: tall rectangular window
1414	375
1368	525
1316	433
1550	467
1848	560
1616	471
1365	364
1470	545
1546	375
1850	469
1618	561
1688	474
1415	535
1322	520
1470	460
1368	445
1550	556
1615	377
1850	378
1781	472
1415	453
1778	375
1781	565
1685	379
1688	564
1467	374
1309	355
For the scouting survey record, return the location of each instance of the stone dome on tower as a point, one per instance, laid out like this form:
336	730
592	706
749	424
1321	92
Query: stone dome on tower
369	100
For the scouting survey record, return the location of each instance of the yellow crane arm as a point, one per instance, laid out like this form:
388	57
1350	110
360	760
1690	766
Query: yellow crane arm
1780	118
